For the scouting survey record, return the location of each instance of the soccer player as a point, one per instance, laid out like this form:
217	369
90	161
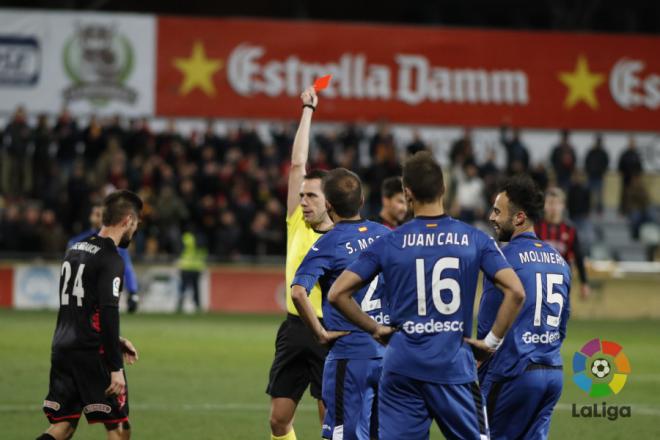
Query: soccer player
562	235
394	210
430	266
130	279
87	369
352	368
299	357
522	381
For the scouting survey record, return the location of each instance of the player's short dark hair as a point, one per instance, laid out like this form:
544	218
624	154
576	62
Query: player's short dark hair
343	191
118	205
391	187
315	174
525	195
422	175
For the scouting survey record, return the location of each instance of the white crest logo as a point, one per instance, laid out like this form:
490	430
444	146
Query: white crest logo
115	286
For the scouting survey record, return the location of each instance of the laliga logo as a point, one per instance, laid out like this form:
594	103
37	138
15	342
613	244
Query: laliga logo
608	368
601	369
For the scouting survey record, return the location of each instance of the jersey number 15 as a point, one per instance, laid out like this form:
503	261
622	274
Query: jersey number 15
552	297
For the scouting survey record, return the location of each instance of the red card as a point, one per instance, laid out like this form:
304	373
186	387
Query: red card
322	82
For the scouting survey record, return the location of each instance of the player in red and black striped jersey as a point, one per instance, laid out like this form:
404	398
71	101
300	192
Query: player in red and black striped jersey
395	209
562	235
87	357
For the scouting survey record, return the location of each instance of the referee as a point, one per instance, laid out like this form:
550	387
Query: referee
299	358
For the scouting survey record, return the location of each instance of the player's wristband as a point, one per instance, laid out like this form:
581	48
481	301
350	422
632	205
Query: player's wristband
309	106
492	341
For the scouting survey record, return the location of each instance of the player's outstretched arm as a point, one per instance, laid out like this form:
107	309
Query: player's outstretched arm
308	315
514	296
341	297
300	151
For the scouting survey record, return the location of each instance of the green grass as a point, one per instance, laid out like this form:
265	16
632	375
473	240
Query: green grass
203	377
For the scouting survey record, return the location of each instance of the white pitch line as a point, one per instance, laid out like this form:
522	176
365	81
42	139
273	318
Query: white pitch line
637	409
171	407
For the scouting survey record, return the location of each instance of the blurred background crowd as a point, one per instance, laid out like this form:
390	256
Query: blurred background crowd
229	189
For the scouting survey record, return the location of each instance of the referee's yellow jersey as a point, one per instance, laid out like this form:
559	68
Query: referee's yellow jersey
299	239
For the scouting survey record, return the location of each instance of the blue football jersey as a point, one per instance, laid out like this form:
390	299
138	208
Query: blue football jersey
538	331
430	266
325	261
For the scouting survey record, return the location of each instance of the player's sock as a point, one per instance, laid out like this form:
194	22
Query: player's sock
46	436
291	435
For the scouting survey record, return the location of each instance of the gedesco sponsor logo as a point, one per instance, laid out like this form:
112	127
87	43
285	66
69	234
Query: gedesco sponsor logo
431	327
630	88
381	318
413	79
540	338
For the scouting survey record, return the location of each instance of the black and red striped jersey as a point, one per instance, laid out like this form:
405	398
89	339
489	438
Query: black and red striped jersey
564	238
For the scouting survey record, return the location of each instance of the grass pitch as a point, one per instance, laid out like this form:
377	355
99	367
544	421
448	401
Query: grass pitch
203	377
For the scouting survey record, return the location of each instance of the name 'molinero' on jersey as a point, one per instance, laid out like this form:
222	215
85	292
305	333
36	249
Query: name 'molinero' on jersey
90	283
430	266
537	334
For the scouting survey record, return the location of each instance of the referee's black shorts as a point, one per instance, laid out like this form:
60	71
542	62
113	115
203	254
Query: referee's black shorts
78	380
298	362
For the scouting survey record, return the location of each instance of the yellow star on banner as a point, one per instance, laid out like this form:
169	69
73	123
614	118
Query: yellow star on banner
581	84
198	71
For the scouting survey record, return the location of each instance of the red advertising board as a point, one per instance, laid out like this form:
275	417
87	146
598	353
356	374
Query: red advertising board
257	68
6	286
246	290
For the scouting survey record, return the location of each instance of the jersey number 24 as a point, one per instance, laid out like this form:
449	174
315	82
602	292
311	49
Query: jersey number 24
78	290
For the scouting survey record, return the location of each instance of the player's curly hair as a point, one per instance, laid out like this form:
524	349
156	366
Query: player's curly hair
525	195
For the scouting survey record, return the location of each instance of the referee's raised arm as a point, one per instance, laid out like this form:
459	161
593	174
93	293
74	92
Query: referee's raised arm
300	151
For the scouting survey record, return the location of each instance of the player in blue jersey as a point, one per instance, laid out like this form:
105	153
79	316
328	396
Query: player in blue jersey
352	368
430	266
522	381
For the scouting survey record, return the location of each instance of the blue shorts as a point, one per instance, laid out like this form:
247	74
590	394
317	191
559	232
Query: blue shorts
350	388
407	407
528	399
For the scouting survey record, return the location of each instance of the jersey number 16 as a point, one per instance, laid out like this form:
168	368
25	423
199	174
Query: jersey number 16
438	284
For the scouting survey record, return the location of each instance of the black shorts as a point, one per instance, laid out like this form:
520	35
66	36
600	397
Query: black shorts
298	362
78	380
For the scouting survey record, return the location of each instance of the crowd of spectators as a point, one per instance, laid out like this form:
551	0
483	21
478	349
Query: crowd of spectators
230	189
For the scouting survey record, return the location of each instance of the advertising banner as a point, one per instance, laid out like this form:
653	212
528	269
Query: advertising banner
89	62
36	286
6	286
240	68
159	289
247	290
